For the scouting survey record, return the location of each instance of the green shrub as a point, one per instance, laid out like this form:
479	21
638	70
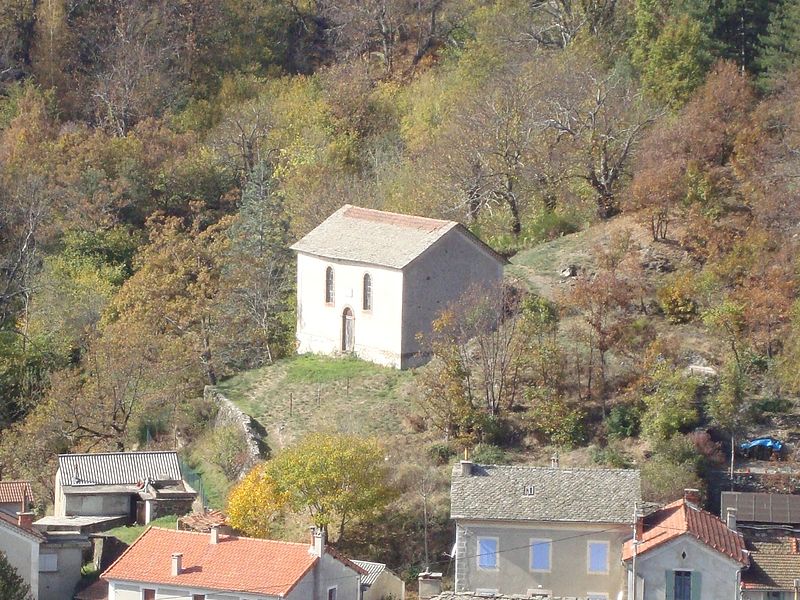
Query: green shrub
553	421
229	451
488	454
773	404
664	481
676	298
441	453
671	406
611	456
624	421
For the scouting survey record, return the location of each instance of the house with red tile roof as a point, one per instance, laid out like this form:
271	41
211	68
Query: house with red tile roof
682	552
15	496
49	562
202	566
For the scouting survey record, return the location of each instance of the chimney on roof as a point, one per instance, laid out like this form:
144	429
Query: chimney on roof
177	559
25	519
318	541
692	495
214	537
430	585
466	468
638	524
554	461
730	518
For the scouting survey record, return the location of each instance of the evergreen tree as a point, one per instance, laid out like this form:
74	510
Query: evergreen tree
259	274
677	62
780	45
12	586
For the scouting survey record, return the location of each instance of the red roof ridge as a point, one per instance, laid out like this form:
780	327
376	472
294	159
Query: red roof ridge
346	561
393	218
682	517
289	562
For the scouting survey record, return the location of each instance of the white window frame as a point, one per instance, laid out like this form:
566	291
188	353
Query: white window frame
48	563
596	596
589	545
335	591
478	554
533	542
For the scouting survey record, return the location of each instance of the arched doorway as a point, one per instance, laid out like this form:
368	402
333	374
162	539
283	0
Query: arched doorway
348	330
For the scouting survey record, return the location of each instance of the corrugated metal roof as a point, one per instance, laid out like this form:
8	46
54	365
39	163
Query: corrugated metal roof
373	570
118	468
759	507
376	237
544	494
16	491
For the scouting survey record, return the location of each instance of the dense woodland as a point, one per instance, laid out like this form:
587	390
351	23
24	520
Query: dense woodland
158	157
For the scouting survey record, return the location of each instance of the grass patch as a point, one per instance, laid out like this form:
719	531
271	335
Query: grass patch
318	393
313	368
129	533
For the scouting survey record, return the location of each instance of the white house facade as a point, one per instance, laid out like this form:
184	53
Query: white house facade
531	530
370	282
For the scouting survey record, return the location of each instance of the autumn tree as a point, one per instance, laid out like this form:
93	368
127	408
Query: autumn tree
478	347
175	287
684	161
334	478
255	505
594	120
604	302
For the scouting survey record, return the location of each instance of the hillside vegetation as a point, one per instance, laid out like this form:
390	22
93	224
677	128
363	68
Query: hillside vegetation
159	158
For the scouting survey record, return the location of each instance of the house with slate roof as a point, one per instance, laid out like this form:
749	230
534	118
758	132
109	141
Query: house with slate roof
119	486
184	565
682	552
542	530
380	583
770	524
368	282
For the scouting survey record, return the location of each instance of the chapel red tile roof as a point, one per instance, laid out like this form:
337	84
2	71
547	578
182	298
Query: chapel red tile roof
682	518
15	491
235	564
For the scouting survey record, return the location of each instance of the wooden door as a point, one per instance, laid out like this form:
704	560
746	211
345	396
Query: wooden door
348	330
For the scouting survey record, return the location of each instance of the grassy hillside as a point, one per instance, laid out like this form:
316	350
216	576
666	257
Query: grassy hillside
307	393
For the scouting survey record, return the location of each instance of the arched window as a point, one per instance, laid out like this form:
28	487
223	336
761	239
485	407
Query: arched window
329	285
367	304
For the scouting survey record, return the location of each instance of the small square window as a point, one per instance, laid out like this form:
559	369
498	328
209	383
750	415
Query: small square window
48	563
597	554
540	555
487	553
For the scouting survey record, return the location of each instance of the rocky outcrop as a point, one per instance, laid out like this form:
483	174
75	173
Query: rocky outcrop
228	414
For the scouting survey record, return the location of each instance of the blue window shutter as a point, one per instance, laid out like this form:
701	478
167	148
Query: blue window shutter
696	577
598	557
669	579
487	549
540	555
